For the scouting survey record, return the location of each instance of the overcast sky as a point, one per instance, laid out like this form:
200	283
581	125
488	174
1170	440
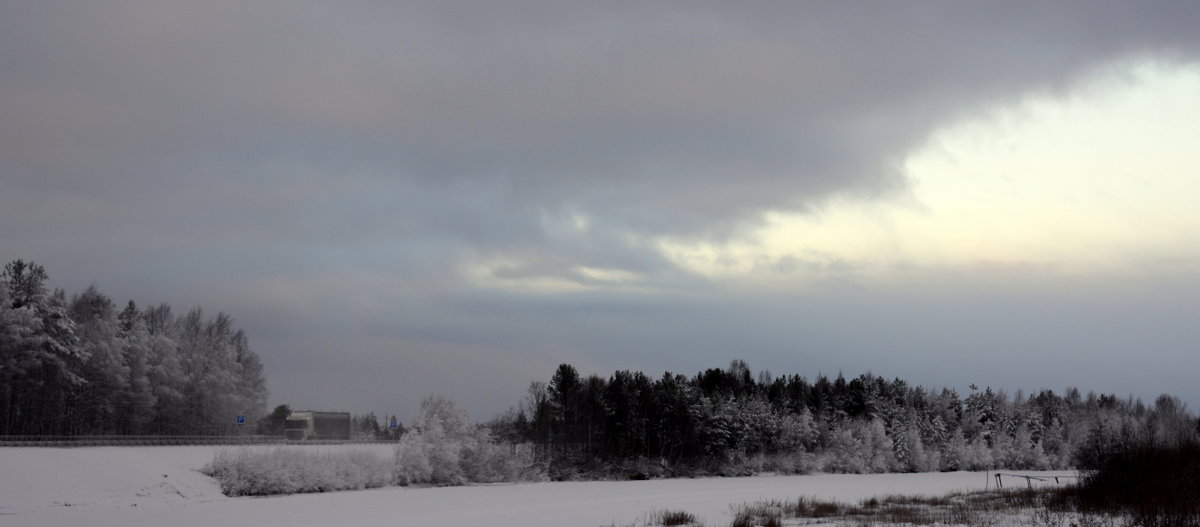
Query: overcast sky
398	199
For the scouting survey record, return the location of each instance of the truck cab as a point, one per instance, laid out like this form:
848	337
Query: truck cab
297	428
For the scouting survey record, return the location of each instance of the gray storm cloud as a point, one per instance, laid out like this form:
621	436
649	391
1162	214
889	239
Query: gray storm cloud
325	172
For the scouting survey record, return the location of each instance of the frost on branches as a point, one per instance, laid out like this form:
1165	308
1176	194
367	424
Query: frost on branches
443	447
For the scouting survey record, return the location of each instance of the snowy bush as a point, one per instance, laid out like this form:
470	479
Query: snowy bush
910	454
845	454
491	462
444	448
798	462
862	447
251	472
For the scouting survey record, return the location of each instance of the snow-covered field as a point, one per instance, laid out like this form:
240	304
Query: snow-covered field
129	486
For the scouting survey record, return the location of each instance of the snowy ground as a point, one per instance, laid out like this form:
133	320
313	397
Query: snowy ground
130	486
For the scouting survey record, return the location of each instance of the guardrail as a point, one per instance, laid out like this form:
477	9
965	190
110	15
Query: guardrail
1029	479
117	440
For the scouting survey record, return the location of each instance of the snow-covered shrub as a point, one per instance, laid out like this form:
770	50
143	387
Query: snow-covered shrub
486	461
977	456
797	462
845	454
253	472
954	452
1022	452
445	448
861	447
909	451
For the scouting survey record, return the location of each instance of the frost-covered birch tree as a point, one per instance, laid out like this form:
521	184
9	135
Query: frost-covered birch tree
82	367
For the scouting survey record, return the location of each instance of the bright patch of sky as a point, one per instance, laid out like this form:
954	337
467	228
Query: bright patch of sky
1102	179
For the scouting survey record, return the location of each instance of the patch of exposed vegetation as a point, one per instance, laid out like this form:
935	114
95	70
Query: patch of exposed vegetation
1147	484
669	518
974	508
1154	485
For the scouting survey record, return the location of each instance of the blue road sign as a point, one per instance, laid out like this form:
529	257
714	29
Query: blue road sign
394	424
241	419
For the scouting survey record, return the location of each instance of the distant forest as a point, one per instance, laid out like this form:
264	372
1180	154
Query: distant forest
81	366
730	422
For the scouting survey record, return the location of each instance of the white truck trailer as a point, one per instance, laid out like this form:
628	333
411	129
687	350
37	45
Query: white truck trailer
317	425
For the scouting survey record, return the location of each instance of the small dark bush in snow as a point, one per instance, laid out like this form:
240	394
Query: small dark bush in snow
1157	485
672	518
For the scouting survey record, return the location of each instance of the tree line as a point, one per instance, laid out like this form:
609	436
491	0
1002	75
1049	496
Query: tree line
728	421
80	365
